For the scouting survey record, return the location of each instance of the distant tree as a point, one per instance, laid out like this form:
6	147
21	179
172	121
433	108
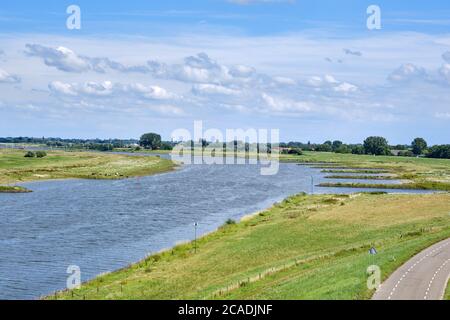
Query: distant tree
30	154
150	141
399	147
358	149
326	147
343	149
295	151
405	153
419	145
41	154
166	146
441	152
336	145
377	146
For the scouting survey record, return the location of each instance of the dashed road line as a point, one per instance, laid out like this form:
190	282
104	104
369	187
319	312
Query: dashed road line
415	264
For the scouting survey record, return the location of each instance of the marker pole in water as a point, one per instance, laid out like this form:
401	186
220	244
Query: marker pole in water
312	185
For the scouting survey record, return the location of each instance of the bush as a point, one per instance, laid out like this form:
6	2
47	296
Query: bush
358	149
30	154
230	222
41	154
295	151
406	153
442	152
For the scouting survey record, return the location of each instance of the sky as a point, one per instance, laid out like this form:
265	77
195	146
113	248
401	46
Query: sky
312	69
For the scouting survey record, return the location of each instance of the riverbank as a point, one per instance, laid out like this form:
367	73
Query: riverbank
307	247
15	168
415	173
7	189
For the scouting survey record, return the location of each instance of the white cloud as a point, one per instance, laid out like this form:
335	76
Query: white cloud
277	104
92	89
345	88
446	56
107	89
149	92
61	58
212	89
5	77
408	72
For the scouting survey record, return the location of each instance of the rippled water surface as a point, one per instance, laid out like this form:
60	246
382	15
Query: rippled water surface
105	225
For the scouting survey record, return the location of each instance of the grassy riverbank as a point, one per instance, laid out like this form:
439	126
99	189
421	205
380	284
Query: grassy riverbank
15	168
307	247
417	173
447	292
7	189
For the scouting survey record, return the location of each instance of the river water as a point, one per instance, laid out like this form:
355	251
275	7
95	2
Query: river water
101	226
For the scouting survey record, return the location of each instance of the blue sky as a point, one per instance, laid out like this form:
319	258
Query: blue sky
309	68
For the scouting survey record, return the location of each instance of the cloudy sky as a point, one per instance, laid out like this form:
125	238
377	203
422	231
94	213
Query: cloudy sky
309	68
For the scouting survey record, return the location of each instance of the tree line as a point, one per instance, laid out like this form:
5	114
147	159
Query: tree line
371	146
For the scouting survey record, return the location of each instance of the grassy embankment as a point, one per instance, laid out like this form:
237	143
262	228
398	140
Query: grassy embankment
15	168
307	247
447	293
416	173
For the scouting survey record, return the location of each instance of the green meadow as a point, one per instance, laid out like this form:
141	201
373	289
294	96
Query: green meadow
15	168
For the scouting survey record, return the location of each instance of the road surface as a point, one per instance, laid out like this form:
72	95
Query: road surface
424	277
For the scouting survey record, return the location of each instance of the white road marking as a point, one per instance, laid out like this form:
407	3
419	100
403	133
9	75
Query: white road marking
415	264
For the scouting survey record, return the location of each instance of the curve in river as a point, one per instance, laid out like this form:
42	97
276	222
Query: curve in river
101	226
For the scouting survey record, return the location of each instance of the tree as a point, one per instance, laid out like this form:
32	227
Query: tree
150	141
358	149
377	146
41	154
30	154
336	145
419	145
442	152
326	147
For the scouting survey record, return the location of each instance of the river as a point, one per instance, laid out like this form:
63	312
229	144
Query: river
102	225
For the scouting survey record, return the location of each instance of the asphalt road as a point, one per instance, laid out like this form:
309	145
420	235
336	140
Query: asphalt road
424	277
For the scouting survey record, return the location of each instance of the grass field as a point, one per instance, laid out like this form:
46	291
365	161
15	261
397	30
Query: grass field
307	247
15	168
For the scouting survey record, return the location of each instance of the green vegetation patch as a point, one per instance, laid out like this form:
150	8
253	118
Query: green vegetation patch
15	167
447	292
15	189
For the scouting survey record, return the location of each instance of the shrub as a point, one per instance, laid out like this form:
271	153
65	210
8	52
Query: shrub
442	152
30	154
295	151
41	154
230	222
406	153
